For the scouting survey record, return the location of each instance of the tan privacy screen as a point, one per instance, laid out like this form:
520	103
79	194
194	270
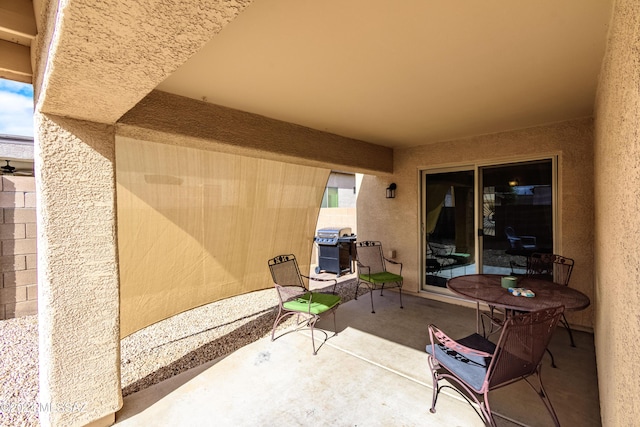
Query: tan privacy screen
197	226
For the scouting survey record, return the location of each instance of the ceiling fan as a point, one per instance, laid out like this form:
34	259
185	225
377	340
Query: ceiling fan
12	170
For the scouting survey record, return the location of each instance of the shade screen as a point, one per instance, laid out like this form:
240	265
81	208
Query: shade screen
198	226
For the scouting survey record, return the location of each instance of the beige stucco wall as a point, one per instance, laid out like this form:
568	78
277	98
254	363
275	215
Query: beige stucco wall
617	244
177	120
396	221
78	283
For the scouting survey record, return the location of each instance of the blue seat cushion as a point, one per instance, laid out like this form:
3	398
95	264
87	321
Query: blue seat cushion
471	369
320	303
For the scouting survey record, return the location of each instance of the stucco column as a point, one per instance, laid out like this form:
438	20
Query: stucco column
78	301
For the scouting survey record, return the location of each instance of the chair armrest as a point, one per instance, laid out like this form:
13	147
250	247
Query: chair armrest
435	334
395	263
362	266
287	293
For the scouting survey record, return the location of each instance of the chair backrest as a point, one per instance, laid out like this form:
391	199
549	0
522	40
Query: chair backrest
509	231
553	267
369	257
521	346
514	241
285	272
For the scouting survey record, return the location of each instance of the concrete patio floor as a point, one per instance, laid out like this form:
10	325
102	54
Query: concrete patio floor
373	373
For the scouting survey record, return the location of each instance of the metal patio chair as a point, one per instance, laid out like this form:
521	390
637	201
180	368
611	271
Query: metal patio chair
295	298
372	270
555	268
474	366
519	242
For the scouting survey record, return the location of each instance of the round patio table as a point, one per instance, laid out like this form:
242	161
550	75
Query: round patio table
487	288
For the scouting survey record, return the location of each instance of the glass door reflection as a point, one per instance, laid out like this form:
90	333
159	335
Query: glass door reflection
517	215
448	227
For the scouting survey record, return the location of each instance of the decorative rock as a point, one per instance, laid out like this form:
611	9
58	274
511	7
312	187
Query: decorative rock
148	356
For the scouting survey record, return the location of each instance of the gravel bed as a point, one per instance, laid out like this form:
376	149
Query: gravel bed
148	356
197	336
19	371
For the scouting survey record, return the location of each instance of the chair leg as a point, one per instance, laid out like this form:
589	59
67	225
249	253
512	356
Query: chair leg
481	409
553	360
565	323
436	385
371	295
335	326
486	411
382	289
544	396
275	324
312	324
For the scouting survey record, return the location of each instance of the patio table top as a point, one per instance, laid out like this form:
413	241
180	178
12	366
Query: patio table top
487	288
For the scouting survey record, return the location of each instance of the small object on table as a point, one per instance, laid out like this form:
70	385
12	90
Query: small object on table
522	292
509	281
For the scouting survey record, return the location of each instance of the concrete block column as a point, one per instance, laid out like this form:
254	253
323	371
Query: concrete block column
78	296
18	281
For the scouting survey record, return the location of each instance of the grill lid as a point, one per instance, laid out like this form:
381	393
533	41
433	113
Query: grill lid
334	232
334	235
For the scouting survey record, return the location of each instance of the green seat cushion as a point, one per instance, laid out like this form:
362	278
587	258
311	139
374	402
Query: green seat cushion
319	303
382	277
460	255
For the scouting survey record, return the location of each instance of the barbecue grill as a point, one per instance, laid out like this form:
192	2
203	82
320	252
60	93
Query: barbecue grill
336	250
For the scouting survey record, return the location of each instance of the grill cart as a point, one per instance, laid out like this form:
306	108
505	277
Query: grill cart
336	250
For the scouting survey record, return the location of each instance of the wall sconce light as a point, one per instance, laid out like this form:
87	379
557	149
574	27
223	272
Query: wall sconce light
513	182
391	191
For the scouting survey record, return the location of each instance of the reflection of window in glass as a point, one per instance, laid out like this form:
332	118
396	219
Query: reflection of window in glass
529	195
330	198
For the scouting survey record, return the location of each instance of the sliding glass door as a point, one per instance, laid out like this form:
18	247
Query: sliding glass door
485	219
448	226
517	214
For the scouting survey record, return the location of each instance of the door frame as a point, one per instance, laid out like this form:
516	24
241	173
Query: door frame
476	168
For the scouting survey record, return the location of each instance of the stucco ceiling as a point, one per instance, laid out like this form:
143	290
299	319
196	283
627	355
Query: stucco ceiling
405	73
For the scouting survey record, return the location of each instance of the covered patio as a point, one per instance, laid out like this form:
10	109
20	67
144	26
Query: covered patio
373	373
181	144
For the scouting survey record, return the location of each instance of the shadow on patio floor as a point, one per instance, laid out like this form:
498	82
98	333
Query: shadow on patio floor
373	373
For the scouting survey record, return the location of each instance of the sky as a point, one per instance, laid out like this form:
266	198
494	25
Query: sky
16	108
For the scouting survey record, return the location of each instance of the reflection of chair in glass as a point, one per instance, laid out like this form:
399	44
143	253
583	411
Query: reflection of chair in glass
433	266
520	246
476	365
296	299
445	257
520	242
438	261
372	270
555	268
440	253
